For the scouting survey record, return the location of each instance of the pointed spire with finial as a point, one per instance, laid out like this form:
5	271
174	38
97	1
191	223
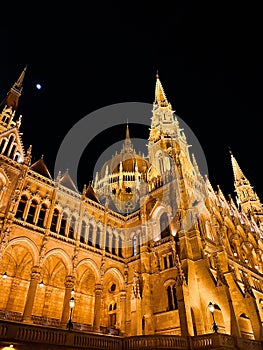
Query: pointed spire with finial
160	97
238	174
14	93
246	196
127	146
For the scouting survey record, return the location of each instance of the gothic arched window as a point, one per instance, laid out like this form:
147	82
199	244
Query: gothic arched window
42	215
54	221
31	212
174	298
107	242
164	225
63	224
98	234
21	208
171	297
83	232
72	227
120	247
112	315
9	143
134	246
90	235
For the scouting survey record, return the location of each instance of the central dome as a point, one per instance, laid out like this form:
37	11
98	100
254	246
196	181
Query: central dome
118	183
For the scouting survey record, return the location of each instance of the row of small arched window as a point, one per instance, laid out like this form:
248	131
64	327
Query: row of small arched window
66	226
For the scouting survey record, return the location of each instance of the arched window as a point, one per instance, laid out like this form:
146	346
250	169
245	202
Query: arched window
174	298
63	224
164	225
83	232
21	208
120	247
54	221
112	315
170	298
2	145
160	158
90	235
134	246
42	215
10	141
107	242
12	151
31	212
114	244
72	227
98	238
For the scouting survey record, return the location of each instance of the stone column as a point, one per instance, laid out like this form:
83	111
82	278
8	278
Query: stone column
97	307
35	276
69	283
123	312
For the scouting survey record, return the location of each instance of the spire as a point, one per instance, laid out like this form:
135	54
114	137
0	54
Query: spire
11	100
127	146
160	97
238	174
127	132
246	196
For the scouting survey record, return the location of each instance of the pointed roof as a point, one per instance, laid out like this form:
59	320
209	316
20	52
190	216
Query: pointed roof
127	146
90	193
238	174
11	100
40	167
160	97
67	181
246	196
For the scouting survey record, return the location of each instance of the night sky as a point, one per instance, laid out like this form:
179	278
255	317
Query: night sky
209	61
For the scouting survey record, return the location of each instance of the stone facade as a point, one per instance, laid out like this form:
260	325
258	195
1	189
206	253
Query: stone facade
149	271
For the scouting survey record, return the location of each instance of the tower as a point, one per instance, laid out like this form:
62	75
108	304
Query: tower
246	197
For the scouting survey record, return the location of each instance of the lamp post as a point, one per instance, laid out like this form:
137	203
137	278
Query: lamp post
71	305
211	308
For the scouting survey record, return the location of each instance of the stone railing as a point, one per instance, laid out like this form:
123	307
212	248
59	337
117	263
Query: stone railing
10	315
156	342
223	341
45	321
45	337
32	335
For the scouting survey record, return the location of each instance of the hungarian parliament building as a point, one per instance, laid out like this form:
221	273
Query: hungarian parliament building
147	256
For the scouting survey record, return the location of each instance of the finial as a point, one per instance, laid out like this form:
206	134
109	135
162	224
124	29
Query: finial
229	149
42	156
59	175
84	189
18	123
18	83
28	155
157	74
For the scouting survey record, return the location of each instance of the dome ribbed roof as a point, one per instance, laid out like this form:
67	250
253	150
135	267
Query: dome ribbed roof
128	160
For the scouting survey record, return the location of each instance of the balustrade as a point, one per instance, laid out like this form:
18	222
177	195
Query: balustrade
82	337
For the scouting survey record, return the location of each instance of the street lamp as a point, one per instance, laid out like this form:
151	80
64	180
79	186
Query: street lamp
211	308
71	305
